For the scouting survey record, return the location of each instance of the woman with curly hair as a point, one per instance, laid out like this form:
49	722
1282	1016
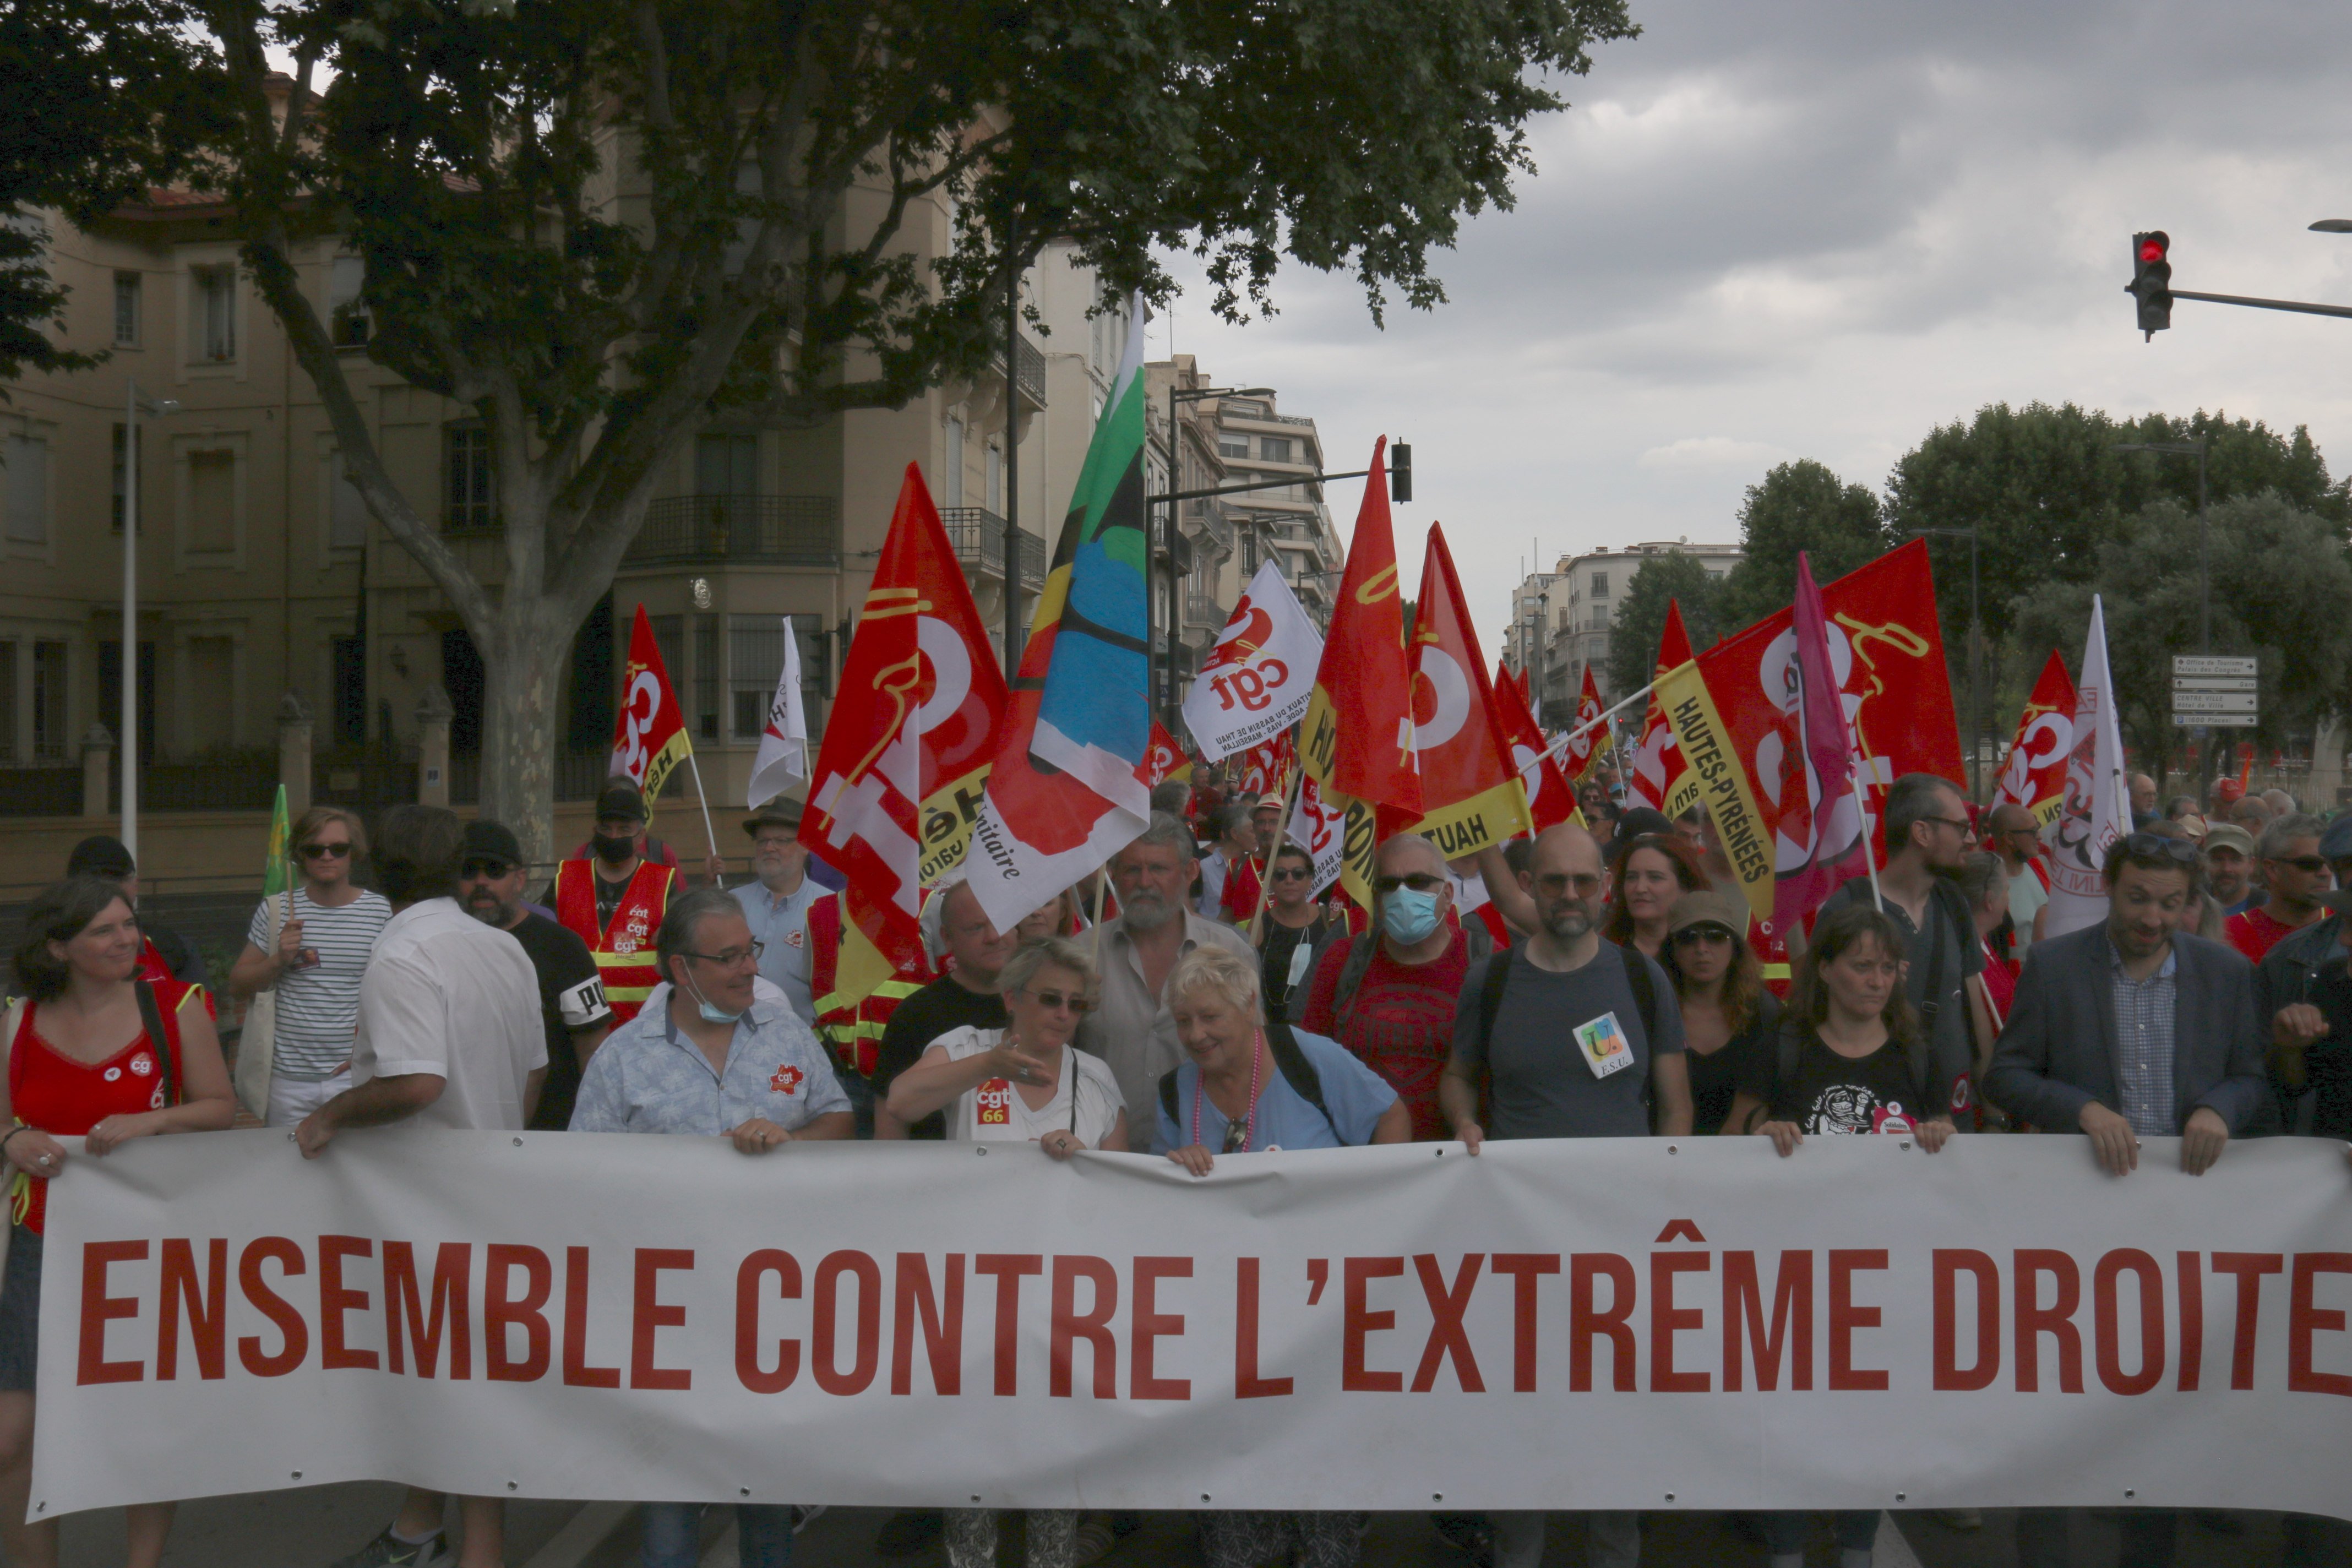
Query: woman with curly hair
1651	870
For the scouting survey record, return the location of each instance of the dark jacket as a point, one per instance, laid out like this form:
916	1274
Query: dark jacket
2058	1053
2288	974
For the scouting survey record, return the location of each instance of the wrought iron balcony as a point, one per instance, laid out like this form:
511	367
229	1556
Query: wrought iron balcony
797	530
978	535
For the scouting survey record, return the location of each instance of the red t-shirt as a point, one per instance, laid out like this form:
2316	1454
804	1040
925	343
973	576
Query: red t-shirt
1400	1023
66	1097
2256	931
1242	891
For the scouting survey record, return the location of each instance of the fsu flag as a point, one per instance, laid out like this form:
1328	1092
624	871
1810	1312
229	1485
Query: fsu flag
1589	747
1255	683
1168	759
1818	813
649	734
1551	800
1658	777
905	748
1067	789
1470	791
2035	775
1732	708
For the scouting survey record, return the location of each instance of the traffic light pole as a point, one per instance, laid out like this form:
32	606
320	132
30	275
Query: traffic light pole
2299	306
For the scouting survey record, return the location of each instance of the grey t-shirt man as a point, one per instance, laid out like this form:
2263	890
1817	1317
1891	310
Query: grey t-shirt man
1540	1085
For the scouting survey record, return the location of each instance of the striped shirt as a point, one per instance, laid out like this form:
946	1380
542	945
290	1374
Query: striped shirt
2143	1046
319	1005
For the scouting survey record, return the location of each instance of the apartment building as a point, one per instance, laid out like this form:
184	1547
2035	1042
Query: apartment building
1575	606
263	576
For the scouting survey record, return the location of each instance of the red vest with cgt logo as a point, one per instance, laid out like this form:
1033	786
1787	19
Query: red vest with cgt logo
625	950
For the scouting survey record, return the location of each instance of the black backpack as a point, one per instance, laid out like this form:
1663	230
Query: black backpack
1637	975
1296	1071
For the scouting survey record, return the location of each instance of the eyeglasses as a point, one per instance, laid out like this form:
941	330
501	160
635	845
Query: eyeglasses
1961	823
1553	884
1289	874
1691	936
2179	851
1419	881
484	869
337	851
732	956
1055	1001
2311	865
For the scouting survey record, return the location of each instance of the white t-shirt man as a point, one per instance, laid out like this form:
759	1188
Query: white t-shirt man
995	1112
448	995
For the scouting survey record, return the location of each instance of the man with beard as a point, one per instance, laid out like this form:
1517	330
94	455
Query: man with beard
615	902
1132	1029
572	1006
1568	1036
1928	838
2229	851
2016	837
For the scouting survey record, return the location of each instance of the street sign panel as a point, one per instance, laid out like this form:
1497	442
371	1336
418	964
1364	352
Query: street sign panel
2214	720
2215	683
2213	664
2214	701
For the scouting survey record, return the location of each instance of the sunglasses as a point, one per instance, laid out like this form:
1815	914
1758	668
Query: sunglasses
2179	851
484	869
337	851
1289	874
2311	865
1691	936
1419	882
1055	1001
1552	884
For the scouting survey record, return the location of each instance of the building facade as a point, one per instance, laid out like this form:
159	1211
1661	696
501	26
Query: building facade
1575	606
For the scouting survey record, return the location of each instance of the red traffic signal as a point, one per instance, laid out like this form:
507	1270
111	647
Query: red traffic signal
2151	282
2152	246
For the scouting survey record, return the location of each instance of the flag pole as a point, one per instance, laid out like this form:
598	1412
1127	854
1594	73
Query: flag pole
1561	746
1862	816
1281	836
710	831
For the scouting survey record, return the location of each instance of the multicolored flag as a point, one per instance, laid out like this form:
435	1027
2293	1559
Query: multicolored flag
2035	773
1550	798
649	735
1470	791
907	746
2097	808
1255	683
1819	829
782	759
1357	739
1658	777
1583	751
1068	790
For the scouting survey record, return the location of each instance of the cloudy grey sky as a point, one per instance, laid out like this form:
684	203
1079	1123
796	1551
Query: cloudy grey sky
1819	228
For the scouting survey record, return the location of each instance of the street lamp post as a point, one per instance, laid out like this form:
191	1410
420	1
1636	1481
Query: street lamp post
1975	658
1158	669
2197	449
129	748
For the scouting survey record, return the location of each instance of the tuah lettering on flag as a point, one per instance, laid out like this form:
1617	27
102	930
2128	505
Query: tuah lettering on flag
1471	795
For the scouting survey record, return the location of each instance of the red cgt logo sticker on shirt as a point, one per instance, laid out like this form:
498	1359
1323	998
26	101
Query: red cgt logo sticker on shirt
996	1100
787	1079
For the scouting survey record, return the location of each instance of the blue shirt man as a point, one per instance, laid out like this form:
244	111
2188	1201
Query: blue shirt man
776	904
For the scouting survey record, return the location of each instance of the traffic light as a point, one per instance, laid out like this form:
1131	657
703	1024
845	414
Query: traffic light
2151	281
1400	472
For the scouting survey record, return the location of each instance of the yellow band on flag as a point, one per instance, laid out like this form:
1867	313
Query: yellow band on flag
1723	783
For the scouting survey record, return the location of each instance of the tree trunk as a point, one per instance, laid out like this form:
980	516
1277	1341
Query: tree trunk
523	668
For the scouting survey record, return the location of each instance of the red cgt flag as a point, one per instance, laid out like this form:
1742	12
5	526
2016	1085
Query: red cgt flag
1658	776
649	733
1165	760
1550	799
1471	795
2035	775
1357	741
1590	746
897	782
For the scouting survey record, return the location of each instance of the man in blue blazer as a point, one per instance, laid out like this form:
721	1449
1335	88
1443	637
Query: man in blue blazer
2131	1029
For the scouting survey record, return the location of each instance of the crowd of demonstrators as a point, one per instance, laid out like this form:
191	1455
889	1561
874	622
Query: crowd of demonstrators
1389	995
99	1050
2295	874
1650	869
308	949
612	895
1728	1016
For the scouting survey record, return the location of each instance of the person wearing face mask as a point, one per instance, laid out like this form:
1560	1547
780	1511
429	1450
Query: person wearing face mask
1388	995
616	902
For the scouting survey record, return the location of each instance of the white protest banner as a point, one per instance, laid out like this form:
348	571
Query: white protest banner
1255	683
1690	1323
1321	829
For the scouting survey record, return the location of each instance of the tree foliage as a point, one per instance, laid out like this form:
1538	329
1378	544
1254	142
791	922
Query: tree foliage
1641	620
1799	506
2280	580
599	224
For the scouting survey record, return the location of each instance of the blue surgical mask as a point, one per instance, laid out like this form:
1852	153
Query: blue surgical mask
711	1015
1410	915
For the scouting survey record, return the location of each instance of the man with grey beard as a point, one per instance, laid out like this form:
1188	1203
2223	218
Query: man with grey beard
1131	1028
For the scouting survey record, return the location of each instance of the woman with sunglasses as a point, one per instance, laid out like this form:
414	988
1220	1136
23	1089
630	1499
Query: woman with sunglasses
1651	870
1295	929
1728	1018
308	947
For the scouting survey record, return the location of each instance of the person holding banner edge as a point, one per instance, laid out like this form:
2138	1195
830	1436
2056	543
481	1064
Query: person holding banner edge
94	1051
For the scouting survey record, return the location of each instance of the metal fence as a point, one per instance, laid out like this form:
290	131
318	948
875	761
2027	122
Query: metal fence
978	536
800	530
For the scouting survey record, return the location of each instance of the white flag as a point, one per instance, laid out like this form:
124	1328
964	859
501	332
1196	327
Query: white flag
2097	806
783	759
1321	830
1257	681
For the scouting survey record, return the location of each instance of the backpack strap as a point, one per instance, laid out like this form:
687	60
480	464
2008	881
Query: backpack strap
1298	1071
1645	993
1351	975
1168	1095
161	1037
1490	997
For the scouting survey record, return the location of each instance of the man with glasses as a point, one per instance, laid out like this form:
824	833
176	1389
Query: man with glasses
1929	839
571	1007
776	903
1296	932
1388	995
2306	995
1566	1035
309	947
2016	839
2298	877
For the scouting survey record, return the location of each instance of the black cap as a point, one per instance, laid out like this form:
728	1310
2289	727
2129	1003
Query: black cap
619	798
101	855
777	813
488	840
1641	819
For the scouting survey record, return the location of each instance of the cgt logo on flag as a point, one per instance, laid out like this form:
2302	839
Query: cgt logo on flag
1257	682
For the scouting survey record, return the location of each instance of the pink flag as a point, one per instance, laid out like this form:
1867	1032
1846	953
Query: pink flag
1824	827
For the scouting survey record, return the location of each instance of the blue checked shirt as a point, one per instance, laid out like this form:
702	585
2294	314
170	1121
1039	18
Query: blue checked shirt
648	1077
2143	1046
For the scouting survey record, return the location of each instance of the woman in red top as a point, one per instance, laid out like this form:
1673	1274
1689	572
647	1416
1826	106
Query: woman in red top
82	1062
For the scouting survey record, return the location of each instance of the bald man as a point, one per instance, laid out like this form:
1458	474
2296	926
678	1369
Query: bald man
1570	1037
2011	833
